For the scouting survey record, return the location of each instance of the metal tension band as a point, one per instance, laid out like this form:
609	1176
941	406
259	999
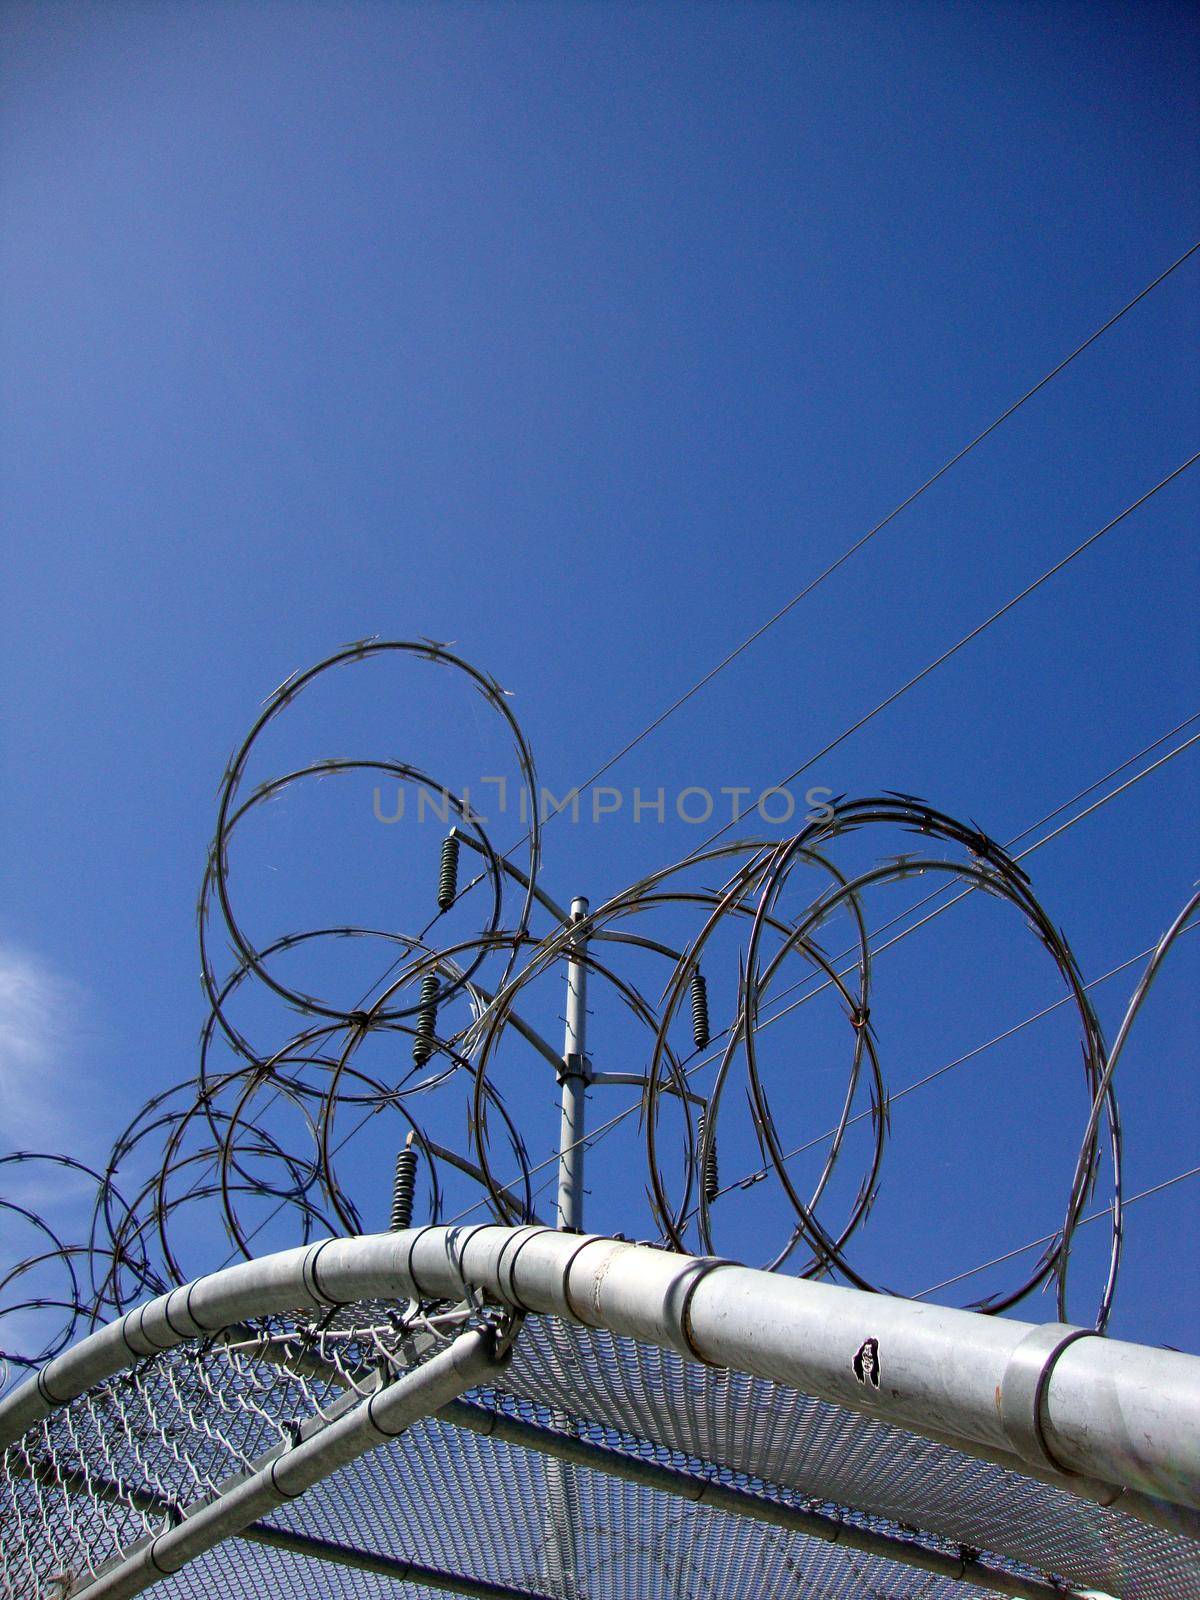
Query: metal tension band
456	1241
1023	1390
703	1267
162	1306
574	1065
308	1274
506	1264
585	1243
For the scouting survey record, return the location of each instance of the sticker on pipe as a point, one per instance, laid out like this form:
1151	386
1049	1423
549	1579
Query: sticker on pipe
866	1363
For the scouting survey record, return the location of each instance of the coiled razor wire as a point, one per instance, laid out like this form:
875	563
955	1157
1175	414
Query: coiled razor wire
208	1151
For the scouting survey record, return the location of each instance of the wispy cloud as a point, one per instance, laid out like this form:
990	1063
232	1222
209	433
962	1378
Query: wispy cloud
42	1034
45	1101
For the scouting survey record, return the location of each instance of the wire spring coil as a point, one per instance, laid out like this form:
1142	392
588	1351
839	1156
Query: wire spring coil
426	1019
709	1176
700	1034
448	875
132	1246
404	1188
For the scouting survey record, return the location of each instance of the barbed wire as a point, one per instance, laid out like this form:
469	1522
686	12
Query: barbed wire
264	1126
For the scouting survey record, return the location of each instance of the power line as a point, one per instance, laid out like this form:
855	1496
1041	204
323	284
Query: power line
1049	816
847	554
607	1127
749	1178
912	682
865	539
1094	1216
945	656
963	894
1080	816
940	1072
869	535
974	633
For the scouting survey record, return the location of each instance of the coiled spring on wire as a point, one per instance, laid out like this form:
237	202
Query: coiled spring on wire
404	1187
132	1249
699	990
426	1019
448	876
709	1177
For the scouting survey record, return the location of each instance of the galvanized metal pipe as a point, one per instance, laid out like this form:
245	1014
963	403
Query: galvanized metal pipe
573	1078
395	1567
561	1554
699	1491
1055	1397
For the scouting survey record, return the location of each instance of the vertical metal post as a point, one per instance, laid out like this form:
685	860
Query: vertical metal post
574	1080
562	1509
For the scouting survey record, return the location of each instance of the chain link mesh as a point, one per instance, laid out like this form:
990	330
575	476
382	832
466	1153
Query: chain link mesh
83	1486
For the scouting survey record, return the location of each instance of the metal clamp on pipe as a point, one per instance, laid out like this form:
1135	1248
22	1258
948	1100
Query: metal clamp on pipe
1023	1390
574	1065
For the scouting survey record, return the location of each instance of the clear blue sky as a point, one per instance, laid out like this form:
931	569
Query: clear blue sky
584	336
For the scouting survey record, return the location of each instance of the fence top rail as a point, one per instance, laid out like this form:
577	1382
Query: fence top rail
1052	1400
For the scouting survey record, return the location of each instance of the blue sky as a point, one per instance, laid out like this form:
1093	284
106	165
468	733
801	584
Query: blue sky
584	336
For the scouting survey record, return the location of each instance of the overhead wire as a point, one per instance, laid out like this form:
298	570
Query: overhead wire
910	499
297	1182
590	1139
1048	1238
973	634
857	545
